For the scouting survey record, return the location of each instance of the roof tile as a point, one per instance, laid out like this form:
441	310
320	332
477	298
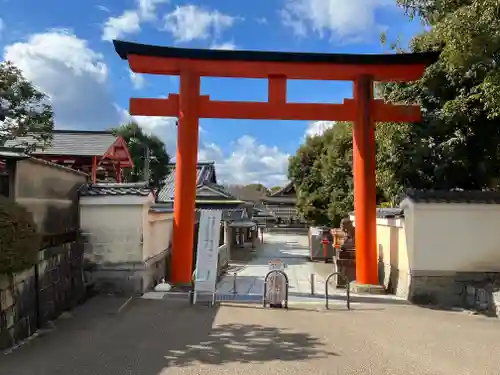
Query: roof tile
453	196
71	142
115	189
205	172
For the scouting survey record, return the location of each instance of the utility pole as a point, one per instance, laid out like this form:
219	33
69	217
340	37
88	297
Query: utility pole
147	160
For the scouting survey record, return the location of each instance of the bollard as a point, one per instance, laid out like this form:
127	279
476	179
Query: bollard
234	283
312	284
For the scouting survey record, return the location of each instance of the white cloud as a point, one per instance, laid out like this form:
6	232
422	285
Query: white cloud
318	128
71	73
129	22
262	20
147	8
103	8
163	127
137	80
247	162
338	19
224	46
75	77
190	22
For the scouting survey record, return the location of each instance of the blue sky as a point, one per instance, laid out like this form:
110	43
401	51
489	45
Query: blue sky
64	47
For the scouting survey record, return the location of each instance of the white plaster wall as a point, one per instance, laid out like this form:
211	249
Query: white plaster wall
456	237
392	244
113	228
157	232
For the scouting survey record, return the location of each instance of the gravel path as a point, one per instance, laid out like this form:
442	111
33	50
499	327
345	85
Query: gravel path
168	337
161	338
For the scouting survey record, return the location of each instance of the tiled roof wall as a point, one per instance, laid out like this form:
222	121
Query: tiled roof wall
115	189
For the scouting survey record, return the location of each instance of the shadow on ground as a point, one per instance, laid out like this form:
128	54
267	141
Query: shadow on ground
354	298
149	336
248	343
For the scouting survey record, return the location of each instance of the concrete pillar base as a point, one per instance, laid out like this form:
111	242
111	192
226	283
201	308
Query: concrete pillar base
355	287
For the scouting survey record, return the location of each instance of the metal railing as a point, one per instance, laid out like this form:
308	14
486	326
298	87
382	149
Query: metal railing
346	279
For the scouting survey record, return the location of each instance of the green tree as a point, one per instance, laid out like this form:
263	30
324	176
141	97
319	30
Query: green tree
336	171
320	171
138	143
274	189
23	109
456	143
257	187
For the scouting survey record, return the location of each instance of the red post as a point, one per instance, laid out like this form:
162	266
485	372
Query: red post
325	241
185	179
364	183
118	172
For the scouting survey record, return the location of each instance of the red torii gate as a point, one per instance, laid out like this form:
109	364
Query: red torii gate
189	106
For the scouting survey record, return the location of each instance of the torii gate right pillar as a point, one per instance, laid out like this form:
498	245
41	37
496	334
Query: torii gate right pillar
363	134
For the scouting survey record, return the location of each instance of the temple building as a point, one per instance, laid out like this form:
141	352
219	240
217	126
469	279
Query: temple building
101	154
282	205
236	213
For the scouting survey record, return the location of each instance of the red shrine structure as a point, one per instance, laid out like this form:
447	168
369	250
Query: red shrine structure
101	154
277	67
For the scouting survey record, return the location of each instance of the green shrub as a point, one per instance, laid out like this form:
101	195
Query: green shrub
385	205
19	240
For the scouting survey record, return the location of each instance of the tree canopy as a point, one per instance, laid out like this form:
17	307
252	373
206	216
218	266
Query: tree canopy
23	108
138	143
274	189
457	142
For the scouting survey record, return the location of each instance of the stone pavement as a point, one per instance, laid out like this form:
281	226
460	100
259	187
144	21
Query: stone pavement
162	337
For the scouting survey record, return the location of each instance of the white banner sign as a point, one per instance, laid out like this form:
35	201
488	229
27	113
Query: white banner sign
207	251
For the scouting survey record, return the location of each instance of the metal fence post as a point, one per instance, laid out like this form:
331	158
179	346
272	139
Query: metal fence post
312	284
234	282
348	294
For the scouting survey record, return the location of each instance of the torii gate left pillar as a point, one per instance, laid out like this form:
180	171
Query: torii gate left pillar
189	106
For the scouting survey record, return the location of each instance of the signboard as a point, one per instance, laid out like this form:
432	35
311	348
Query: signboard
207	252
276	264
276	288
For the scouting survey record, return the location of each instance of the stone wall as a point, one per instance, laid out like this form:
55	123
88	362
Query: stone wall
129	278
473	290
30	299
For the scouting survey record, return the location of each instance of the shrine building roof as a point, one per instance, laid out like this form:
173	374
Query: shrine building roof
205	173
71	143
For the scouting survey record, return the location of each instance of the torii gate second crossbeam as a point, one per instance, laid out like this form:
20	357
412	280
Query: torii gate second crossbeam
277	67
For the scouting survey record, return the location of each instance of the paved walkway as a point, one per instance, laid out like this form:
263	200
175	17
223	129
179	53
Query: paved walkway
292	249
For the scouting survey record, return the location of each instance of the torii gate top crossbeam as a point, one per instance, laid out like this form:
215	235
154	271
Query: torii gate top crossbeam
258	64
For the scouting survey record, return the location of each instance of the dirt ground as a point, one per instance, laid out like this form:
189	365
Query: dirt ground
164	337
